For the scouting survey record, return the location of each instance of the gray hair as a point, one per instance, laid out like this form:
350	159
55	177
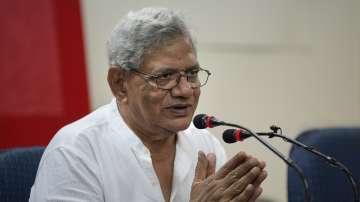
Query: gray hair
142	31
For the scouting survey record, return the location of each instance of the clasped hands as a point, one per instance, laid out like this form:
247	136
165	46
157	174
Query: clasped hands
238	180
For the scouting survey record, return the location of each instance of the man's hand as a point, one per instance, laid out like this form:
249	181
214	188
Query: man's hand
238	180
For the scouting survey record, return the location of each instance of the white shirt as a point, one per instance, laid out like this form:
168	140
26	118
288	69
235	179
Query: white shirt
99	158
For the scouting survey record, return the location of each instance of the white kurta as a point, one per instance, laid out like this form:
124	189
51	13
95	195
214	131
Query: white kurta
99	158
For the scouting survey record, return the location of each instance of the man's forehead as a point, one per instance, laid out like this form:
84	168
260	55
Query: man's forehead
177	56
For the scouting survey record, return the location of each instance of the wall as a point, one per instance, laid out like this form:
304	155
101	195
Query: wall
43	84
291	63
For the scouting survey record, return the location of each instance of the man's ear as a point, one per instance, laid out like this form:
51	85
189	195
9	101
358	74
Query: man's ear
117	82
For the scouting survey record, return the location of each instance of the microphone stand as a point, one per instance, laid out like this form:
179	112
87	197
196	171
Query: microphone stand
288	161
330	160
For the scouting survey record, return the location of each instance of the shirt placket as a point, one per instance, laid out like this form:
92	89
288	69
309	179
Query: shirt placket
144	158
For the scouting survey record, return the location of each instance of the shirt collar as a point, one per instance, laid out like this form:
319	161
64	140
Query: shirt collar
118	124
185	151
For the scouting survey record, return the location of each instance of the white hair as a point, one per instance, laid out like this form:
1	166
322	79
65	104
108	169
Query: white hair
144	30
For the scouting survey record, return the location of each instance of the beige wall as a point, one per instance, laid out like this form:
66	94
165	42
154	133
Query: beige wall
291	63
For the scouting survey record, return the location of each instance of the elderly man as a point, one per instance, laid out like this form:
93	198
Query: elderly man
141	146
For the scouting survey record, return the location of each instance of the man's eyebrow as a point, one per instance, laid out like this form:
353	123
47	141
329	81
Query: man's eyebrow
197	66
172	69
164	70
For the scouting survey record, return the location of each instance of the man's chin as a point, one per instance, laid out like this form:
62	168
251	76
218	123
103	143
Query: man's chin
178	125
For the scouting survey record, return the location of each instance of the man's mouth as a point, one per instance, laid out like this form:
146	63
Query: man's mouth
180	109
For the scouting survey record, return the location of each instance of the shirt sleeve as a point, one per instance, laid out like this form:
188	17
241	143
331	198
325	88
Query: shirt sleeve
66	175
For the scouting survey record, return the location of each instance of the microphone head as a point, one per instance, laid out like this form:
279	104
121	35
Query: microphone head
235	135
199	121
229	136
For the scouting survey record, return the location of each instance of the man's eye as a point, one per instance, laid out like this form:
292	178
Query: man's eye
165	76
192	73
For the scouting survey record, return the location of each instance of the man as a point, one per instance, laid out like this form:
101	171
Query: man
140	146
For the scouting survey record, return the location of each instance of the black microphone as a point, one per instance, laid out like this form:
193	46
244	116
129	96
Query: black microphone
235	135
202	121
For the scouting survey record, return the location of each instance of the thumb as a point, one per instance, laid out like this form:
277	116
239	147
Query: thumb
201	169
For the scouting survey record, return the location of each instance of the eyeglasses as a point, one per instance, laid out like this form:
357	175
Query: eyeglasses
196	77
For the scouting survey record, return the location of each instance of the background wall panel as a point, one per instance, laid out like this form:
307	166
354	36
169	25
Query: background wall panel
43	83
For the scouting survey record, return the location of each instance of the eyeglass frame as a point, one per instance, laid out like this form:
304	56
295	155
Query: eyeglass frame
153	77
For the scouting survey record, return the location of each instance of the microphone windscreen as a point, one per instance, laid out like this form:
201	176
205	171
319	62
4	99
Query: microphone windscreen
228	136
199	121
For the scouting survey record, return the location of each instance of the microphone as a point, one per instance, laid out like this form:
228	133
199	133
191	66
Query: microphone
202	121
235	135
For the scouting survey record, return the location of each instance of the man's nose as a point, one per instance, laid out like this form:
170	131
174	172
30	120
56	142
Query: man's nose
183	88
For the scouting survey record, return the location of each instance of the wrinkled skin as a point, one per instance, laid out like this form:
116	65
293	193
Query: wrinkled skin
238	180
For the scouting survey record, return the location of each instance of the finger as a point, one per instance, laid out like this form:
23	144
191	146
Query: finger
212	163
239	186
240	171
260	178
245	195
201	167
231	165
262	164
256	194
